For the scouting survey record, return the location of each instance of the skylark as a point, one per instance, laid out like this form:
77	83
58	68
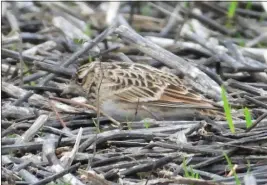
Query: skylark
132	91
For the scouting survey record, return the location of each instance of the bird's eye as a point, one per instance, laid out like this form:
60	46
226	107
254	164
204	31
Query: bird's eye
79	81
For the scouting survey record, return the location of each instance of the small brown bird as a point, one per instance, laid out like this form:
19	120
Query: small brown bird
131	91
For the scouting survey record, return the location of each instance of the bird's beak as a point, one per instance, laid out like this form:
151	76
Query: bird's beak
72	89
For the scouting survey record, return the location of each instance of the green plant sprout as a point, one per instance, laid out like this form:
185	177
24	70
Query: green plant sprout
231	13
41	133
88	30
227	110
90	59
191	173
248	117
186	4
79	41
186	173
230	165
11	135
231	9
146	124
242	41
249	5
249	166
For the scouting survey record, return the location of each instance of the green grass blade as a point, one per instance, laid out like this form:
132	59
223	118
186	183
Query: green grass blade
248	166
249	5
242	41
193	174
185	168
248	117
90	59
78	41
230	165
146	124
231	9
88	30
227	110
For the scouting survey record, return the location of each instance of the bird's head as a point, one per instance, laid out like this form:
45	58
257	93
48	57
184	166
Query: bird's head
73	89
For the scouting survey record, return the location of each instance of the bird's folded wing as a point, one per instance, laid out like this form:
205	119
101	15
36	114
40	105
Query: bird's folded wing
165	96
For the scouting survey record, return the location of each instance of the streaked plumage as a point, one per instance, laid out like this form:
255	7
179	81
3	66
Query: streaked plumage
125	87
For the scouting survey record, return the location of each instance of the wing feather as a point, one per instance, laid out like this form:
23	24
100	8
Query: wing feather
144	84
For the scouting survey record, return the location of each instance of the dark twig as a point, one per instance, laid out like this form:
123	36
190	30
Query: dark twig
87	143
213	160
43	88
245	87
256	102
57	175
149	166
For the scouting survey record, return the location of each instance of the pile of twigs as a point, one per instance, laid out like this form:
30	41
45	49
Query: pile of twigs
47	139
